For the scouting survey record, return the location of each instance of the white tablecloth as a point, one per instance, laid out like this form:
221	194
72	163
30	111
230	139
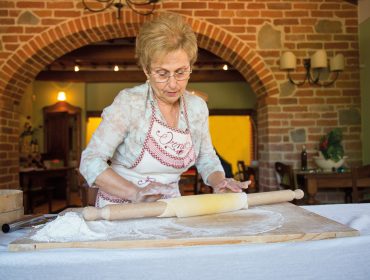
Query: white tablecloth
341	258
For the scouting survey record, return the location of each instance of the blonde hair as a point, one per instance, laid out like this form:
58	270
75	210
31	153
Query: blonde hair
162	35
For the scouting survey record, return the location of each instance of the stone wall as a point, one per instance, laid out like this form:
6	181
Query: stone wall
250	35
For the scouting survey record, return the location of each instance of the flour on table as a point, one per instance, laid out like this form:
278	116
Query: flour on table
69	227
72	227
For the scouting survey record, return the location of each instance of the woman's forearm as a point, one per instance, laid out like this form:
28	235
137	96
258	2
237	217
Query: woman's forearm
110	182
215	178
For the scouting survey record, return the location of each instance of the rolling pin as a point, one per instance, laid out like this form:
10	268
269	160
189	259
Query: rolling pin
188	206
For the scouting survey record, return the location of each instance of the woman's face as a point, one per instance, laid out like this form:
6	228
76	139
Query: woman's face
172	65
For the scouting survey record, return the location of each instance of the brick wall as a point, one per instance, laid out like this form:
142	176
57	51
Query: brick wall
250	35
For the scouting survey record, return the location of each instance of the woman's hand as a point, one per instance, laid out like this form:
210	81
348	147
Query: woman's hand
153	192
230	185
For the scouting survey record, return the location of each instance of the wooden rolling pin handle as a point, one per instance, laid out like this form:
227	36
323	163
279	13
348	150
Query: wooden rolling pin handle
124	211
262	198
155	209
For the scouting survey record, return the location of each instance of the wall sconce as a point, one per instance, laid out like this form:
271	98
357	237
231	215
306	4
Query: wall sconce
318	62
61	96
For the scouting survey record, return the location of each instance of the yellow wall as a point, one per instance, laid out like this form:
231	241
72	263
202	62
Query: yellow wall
232	138
91	126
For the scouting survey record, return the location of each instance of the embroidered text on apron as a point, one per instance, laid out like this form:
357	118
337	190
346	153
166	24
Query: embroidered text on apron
167	152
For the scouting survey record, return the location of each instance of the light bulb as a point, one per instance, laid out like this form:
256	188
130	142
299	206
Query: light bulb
61	96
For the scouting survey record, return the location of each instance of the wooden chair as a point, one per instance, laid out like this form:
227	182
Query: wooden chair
285	176
87	194
360	182
34	191
246	173
193	175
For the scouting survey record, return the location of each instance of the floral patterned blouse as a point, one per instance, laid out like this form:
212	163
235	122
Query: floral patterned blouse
125	123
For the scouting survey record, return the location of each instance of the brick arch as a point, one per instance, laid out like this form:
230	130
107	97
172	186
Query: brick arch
27	61
239	54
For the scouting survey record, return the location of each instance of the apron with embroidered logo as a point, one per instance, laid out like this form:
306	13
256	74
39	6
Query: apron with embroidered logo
167	152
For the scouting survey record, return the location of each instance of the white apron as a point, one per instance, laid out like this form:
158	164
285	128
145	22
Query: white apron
166	154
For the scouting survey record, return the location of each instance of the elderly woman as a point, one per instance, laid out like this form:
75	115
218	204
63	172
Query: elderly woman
154	132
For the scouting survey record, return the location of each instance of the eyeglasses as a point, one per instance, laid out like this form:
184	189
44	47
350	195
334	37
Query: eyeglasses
163	76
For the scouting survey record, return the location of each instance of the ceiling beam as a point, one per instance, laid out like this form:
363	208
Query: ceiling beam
134	76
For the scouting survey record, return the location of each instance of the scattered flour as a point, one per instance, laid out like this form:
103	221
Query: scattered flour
72	227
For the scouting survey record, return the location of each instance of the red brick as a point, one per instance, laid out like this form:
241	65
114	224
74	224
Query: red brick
302	29
346	14
7	21
288	101
286	21
353	30
256	21
322	14
327	123
305	6
272	14
279	6
193	5
302	123
59	5
204	13
28	4
66	14
257	6
7	4
311	101
10	39
336	46
235	6
217	6
50	21
295	14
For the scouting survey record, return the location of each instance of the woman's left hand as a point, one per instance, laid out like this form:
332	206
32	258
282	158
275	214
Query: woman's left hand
230	185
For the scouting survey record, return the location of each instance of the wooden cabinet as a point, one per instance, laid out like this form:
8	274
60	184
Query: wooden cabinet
62	132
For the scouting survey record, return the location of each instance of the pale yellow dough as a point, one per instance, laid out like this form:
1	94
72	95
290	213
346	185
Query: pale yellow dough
205	204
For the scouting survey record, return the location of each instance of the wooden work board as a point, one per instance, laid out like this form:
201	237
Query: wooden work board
261	224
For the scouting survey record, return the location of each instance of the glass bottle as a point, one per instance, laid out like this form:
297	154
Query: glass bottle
304	158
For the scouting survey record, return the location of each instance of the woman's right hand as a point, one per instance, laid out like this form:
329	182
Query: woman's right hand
153	192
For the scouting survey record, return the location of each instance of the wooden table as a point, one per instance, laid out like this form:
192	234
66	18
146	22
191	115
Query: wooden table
335	258
315	180
30	178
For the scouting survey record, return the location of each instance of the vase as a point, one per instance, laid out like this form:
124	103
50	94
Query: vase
328	164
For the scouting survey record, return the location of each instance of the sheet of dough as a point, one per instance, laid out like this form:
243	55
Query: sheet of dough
205	204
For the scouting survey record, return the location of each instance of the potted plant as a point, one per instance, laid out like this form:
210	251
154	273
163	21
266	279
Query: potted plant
331	152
